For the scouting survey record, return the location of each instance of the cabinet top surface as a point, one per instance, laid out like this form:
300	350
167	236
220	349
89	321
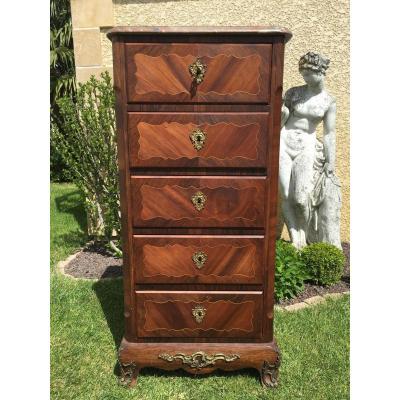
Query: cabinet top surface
264	30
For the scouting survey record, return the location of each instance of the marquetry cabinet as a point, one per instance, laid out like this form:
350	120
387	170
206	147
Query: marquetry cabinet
198	121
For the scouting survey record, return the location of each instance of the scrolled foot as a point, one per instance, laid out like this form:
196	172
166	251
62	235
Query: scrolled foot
269	373
129	374
269	376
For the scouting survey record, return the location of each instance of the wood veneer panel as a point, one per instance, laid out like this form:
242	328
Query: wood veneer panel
169	314
169	259
167	202
231	140
236	73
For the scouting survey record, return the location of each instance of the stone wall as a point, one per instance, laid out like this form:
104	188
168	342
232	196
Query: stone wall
320	26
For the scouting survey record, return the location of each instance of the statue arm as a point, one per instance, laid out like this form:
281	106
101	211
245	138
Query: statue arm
330	137
285	112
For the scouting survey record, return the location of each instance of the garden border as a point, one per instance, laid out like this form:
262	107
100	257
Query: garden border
311	301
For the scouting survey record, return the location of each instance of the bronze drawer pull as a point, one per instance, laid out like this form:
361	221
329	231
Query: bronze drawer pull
199	200
197	69
199	258
199	313
198	138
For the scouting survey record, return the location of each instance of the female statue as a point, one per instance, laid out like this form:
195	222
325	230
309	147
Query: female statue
309	188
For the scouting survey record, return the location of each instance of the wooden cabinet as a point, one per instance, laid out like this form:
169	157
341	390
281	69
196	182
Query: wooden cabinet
198	120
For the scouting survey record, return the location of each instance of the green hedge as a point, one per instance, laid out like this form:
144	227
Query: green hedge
324	263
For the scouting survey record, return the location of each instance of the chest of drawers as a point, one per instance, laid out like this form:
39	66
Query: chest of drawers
198	121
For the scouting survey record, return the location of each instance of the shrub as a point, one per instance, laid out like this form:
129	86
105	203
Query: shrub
286	249
87	144
324	263
290	272
58	169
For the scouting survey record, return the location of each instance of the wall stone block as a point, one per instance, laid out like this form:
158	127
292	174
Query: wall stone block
92	13
87	47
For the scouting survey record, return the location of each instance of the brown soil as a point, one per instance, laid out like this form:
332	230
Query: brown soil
94	262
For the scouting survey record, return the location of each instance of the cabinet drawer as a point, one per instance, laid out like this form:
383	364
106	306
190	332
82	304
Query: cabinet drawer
234	72
199	314
198	259
197	140
194	202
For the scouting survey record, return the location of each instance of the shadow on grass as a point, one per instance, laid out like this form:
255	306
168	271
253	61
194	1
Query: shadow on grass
111	297
180	373
73	203
74	239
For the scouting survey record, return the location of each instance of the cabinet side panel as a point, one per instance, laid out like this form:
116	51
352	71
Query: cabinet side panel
124	184
272	188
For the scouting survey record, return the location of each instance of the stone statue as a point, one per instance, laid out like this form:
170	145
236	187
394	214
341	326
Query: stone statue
309	188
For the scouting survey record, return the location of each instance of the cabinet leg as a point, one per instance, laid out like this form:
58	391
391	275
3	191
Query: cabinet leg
269	375
269	372
129	374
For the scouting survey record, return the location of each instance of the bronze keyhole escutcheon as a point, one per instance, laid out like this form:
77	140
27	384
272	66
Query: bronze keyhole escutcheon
198	138
199	200
199	258
197	70
199	313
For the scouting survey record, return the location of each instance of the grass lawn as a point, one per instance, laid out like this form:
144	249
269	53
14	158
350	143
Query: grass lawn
86	328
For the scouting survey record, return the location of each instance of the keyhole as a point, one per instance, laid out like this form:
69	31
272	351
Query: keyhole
200	259
198	138
198	201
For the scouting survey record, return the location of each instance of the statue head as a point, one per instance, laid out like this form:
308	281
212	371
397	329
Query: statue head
312	67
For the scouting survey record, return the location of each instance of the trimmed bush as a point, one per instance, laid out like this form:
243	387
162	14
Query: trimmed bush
290	272
324	263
